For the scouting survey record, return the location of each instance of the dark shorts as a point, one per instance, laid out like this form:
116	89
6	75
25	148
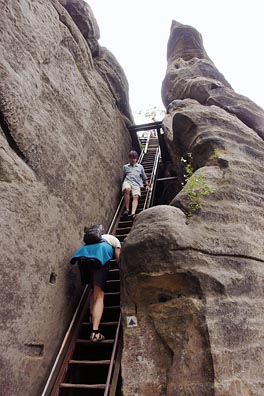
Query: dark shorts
93	273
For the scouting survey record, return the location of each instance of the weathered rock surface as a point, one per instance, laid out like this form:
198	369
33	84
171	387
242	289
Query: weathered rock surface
195	278
63	141
192	74
104	61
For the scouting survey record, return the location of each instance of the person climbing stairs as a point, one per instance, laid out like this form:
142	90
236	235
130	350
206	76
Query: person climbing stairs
88	368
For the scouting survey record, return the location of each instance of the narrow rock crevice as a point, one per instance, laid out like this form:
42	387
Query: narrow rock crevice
11	141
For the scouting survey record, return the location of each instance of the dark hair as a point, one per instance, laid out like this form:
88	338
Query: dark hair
133	154
93	234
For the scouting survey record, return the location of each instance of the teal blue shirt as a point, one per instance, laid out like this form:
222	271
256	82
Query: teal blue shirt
101	251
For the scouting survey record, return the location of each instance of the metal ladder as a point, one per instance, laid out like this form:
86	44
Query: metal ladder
83	368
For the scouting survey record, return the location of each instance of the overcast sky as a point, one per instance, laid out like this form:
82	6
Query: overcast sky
137	31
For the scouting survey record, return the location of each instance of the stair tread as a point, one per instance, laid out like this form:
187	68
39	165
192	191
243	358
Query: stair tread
80	341
112	280
112	293
85	386
90	362
101	324
112	307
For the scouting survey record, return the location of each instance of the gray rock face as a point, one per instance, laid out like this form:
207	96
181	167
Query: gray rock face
194	275
104	61
83	16
192	74
115	78
63	143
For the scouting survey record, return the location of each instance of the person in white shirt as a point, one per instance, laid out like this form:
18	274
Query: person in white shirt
134	177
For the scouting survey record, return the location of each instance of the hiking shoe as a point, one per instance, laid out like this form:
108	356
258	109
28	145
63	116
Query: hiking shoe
96	337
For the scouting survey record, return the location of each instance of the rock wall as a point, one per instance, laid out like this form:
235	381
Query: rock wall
193	270
64	139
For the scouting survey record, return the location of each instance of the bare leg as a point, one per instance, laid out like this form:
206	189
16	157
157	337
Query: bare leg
134	204
91	305
98	306
127	198
117	254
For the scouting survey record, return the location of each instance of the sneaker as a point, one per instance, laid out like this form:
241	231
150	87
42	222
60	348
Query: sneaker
96	337
132	217
126	213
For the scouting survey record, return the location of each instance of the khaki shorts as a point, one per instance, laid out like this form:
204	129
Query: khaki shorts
135	189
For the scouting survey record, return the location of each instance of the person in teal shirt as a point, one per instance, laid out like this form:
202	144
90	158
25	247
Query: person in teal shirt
94	263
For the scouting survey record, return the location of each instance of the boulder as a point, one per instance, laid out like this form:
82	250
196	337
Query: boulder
63	141
193	270
83	16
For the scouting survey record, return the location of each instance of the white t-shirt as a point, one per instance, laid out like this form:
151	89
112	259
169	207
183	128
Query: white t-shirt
112	240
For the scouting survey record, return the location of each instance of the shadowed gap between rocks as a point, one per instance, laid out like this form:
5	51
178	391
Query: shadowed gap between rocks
11	141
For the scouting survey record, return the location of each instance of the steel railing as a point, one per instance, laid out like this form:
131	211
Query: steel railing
72	332
152	181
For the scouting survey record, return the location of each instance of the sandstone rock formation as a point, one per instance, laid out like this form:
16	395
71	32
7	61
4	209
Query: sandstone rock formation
194	275
104	61
63	142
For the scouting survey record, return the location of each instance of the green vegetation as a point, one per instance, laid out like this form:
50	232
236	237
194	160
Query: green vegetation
195	185
216	153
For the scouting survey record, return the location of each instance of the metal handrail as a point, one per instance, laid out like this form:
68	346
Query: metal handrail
152	178
147	143
148	197
69	336
112	360
51	381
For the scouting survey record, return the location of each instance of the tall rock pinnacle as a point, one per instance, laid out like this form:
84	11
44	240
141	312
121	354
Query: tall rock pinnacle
194	270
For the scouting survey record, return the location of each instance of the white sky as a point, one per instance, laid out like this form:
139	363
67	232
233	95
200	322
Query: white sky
137	32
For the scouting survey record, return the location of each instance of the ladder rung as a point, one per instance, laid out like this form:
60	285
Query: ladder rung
112	280
82	386
113	307
101	324
90	362
122	229
80	341
112	293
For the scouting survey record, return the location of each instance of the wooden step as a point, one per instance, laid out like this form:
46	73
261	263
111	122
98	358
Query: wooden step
112	307
113	280
90	362
112	293
80	341
122	230
101	323
82	386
